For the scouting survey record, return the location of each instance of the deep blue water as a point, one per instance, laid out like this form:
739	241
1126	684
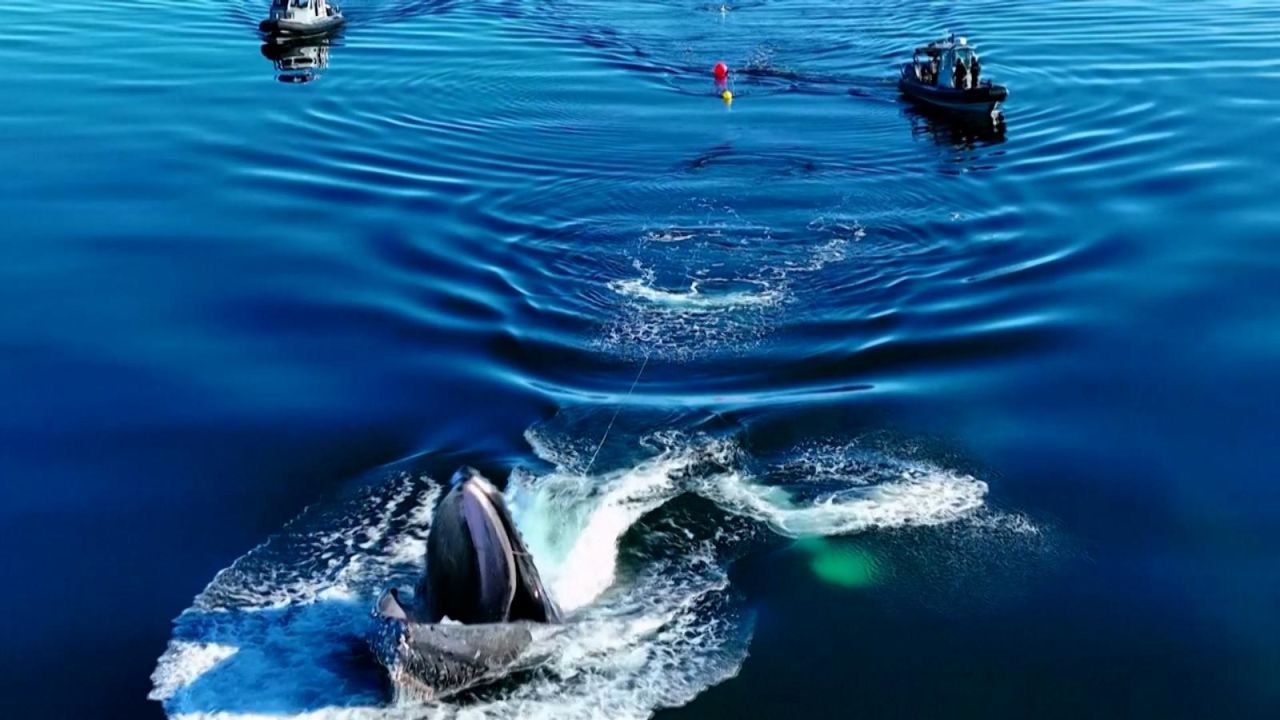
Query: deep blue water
930	418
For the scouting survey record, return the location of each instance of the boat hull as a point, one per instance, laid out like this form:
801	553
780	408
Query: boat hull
982	99
293	27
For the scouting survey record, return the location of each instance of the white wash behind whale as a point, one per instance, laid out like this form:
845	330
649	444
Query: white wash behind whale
281	632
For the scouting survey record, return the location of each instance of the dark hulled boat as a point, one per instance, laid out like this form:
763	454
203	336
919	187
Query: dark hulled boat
946	73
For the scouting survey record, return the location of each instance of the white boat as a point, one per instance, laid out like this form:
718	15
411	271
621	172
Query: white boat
302	17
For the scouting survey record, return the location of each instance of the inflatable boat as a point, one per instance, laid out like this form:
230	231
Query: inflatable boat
947	74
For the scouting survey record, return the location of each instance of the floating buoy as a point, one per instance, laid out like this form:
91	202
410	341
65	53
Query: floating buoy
726	96
721	71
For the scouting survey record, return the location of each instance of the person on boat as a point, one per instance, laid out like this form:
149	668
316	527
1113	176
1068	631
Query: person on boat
974	69
933	71
959	74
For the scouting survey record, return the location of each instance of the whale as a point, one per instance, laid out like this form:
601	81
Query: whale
480	608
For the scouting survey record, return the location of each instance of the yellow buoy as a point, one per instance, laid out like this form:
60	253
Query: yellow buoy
726	96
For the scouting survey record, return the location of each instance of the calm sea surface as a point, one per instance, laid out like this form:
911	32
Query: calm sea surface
901	416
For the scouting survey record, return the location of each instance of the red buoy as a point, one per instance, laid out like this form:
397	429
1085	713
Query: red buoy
721	70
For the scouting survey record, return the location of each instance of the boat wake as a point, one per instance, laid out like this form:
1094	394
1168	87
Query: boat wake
636	553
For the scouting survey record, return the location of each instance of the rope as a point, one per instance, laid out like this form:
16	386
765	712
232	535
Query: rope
615	414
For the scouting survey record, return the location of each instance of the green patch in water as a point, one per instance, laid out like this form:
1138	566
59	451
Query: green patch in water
843	564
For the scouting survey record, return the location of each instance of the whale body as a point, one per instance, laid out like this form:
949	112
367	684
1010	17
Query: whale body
479	607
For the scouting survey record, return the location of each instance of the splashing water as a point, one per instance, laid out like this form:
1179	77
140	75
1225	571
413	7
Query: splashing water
678	314
653	620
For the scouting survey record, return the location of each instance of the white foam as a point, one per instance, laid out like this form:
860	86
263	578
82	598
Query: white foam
334	557
1002	522
930	497
572	524
670	235
844	488
724	300
695	299
187	661
273	635
709	315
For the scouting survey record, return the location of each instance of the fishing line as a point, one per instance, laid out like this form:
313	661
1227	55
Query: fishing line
615	413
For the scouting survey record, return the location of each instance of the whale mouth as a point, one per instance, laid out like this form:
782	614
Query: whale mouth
491	542
429	662
465	627
478	568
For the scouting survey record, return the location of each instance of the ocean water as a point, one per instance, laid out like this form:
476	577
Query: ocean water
811	404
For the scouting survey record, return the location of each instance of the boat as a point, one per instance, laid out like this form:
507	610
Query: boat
302	17
932	78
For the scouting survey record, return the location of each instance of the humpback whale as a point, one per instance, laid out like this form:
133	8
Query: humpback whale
479	606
